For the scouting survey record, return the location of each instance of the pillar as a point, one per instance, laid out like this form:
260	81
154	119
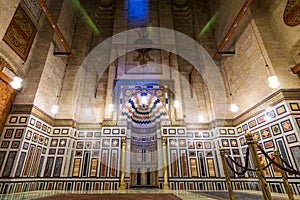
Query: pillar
122	181
164	147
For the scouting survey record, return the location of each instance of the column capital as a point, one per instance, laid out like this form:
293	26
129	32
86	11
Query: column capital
123	139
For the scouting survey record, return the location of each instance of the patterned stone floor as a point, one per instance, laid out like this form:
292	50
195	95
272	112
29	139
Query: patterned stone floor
184	195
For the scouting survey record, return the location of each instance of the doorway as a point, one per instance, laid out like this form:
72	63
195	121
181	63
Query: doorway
144	161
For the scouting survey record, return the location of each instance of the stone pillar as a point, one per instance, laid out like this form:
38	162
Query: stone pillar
120	25
166	21
122	181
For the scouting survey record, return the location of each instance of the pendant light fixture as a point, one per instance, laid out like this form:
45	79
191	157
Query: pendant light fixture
272	78
16	83
233	107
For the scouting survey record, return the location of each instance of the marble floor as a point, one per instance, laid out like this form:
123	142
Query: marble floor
185	195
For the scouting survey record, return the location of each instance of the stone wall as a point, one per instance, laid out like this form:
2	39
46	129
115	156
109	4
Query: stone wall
265	39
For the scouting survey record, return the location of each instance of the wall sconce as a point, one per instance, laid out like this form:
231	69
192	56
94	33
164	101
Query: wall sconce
16	83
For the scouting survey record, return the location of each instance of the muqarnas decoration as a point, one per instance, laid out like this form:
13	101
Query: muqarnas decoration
20	33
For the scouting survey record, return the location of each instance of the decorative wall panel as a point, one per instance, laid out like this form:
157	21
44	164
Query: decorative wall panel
76	167
34	8
20	33
114	162
184	167
104	160
49	166
2	156
35	162
193	166
85	163
90	159
41	164
296	155
58	166
211	167
9	163
94	167
174	163
29	160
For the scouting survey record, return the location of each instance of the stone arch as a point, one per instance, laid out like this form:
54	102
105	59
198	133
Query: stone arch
166	39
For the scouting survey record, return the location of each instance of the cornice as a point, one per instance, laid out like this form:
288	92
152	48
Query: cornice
275	98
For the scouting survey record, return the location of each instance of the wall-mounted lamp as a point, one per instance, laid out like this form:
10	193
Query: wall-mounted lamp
16	83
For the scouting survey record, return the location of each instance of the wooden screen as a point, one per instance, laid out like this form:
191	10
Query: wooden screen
7	94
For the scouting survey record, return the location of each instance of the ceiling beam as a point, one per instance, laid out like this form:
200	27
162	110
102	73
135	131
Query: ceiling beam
5	78
55	27
233	27
296	69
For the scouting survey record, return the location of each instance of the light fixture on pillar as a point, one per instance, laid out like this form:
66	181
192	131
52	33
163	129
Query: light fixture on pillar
272	79
16	83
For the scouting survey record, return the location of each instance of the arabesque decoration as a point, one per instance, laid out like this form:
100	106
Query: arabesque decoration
144	109
291	15
20	33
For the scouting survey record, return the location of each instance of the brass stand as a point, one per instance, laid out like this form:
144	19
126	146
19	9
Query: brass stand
226	173
286	184
164	147
122	182
259	172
